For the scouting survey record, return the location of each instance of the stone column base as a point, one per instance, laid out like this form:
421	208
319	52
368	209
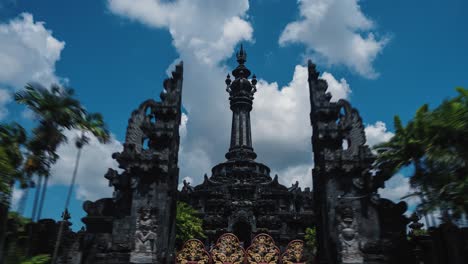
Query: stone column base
143	257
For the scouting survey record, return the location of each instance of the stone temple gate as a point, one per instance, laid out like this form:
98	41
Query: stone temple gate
240	198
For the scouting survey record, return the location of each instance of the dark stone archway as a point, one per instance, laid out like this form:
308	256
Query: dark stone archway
243	231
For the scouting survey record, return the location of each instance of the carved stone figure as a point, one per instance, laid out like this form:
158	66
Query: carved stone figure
350	246
145	234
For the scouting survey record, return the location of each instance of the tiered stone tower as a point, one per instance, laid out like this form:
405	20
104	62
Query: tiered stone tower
240	196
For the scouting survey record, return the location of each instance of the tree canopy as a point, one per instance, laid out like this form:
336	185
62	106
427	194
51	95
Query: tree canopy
12	136
435	143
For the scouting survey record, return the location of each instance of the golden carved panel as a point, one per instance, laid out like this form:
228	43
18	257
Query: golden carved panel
228	250
193	252
294	253
263	250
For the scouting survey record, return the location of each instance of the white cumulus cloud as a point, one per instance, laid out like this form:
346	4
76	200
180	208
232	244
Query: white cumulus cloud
377	133
337	32
15	198
281	129
28	52
96	158
396	188
5	98
207	30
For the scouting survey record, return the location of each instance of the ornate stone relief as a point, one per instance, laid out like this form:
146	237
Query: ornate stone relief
193	252
350	246
145	234
263	250
294	253
228	250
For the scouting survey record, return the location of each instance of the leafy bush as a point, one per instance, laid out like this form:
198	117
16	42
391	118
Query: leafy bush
311	239
188	224
39	259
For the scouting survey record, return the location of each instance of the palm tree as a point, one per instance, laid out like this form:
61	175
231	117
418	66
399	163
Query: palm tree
434	143
12	136
90	123
57	110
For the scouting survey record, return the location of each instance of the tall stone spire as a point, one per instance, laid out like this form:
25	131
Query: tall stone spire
241	92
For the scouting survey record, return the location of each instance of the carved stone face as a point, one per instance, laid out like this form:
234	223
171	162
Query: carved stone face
145	215
348	233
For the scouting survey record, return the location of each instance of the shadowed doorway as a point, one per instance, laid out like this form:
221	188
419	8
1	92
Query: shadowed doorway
243	231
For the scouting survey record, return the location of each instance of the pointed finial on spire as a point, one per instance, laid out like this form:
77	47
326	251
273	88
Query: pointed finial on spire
241	55
241	70
66	215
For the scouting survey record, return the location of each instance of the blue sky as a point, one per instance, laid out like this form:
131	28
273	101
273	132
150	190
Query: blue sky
386	57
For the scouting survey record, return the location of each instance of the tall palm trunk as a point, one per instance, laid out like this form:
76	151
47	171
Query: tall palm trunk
67	202
22	201
33	216
4	208
36	198
3	226
43	194
433	220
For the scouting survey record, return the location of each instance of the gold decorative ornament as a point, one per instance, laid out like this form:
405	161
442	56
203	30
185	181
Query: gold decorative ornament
263	250
294	253
193	252
228	250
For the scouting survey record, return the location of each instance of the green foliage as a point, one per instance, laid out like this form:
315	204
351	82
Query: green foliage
435	143
16	250
56	109
311	239
12	137
6	172
19	220
39	259
188	225
419	232
94	124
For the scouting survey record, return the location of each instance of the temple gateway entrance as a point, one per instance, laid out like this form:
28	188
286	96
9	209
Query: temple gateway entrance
243	231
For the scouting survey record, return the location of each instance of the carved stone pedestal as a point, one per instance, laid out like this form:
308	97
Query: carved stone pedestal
143	257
